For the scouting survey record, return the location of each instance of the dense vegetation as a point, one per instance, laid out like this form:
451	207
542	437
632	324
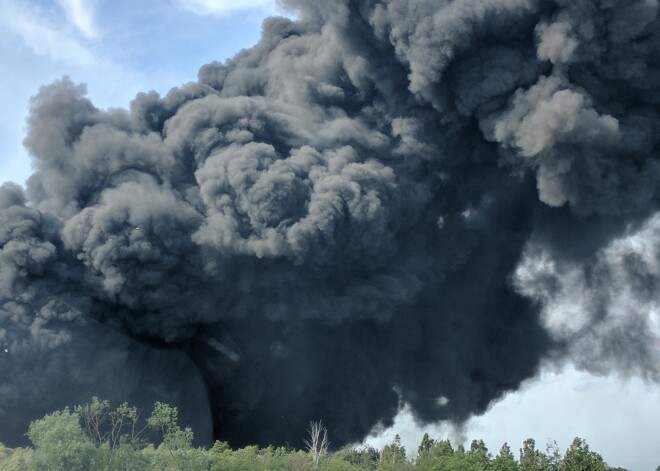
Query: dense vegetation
96	437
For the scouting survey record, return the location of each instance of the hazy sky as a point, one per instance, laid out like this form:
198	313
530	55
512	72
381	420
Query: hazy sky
122	47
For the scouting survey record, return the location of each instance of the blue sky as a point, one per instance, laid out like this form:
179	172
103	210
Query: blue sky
117	48
122	47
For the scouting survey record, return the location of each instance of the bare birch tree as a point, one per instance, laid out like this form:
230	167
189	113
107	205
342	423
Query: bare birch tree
317	443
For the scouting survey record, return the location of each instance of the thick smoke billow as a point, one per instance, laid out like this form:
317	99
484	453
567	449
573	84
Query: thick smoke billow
382	202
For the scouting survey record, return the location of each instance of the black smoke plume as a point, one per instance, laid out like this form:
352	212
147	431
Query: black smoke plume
382	202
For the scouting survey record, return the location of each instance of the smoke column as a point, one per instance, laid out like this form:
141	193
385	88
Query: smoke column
382	202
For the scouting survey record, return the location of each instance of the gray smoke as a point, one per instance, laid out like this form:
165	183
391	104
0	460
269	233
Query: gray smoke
380	203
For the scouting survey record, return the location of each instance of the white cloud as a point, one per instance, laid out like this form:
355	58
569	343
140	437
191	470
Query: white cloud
81	14
41	36
618	288
224	7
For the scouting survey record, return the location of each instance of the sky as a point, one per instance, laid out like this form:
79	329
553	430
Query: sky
124	47
117	48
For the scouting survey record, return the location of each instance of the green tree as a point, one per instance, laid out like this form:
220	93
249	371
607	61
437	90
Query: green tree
164	420
553	456
94	416
442	457
176	451
118	433
218	454
60	443
393	455
125	457
366	458
579	457
96	437
531	459
505	461
478	458
19	459
425	446
250	458
443	448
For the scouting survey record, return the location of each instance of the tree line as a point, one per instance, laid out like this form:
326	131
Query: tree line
96	436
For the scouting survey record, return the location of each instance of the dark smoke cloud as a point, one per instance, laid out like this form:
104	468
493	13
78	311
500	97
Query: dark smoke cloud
381	202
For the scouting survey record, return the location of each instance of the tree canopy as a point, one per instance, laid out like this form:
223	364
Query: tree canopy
94	436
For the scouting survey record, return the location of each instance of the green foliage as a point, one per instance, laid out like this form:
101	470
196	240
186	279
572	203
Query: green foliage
164	458
505	461
253	458
532	459
366	458
94	416
426	446
440	455
176	451
125	457
478	458
96	437
442	448
111	428
4	452
579	458
19	459
164	418
60	443
553	456
393	455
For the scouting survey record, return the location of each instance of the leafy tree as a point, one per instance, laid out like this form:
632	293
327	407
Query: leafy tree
218	454
280	458
176	451
164	419
553	456
443	448
579	457
531	459
505	461
60	443
393	455
94	416
246	459
443	457
96	437
425	446
364	458
4	452
478	458
252	458
117	433
126	457
336	463
19	459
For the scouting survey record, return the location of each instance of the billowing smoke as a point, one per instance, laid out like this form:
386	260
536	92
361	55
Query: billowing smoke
380	203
